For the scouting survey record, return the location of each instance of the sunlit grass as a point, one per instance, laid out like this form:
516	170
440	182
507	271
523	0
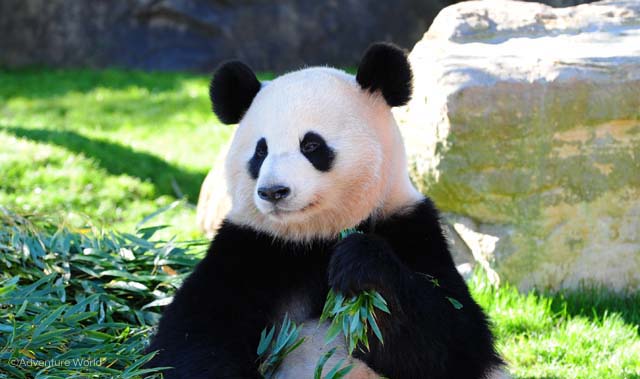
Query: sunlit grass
112	145
583	334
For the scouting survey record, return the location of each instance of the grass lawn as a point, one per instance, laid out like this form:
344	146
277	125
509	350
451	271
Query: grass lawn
112	147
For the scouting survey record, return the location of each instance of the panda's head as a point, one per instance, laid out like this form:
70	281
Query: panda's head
316	150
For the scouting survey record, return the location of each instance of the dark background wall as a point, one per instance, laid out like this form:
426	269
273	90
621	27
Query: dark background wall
198	34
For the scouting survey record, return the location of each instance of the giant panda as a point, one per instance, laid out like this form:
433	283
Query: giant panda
317	151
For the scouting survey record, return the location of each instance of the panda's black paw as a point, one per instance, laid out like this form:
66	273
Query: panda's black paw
362	262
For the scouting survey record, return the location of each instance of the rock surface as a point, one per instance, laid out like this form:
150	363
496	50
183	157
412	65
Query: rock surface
525	128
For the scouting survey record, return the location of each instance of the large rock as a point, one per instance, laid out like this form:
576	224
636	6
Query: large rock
525	128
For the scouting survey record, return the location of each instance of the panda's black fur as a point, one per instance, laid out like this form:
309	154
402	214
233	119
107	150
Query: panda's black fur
232	90
322	156
385	67
212	327
259	155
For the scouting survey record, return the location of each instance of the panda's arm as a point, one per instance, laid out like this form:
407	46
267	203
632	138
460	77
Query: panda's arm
427	334
212	327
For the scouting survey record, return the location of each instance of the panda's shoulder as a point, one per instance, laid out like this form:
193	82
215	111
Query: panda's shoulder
419	217
236	238
416	234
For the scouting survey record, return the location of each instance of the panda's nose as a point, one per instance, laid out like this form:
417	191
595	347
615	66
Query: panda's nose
273	193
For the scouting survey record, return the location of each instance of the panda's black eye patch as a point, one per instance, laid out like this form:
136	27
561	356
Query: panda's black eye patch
309	147
258	157
261	148
316	150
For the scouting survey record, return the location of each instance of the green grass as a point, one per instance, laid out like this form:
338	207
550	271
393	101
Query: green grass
581	334
112	147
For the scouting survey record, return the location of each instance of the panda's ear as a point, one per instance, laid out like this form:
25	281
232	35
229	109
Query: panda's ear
232	89
385	67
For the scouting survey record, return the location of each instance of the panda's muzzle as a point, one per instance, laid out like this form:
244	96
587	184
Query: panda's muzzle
273	194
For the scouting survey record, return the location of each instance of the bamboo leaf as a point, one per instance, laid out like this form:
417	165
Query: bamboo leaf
456	304
336	371
265	340
42	326
317	374
374	327
332	332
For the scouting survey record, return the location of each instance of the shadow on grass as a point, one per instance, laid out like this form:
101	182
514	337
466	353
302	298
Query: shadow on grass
41	83
118	160
44	83
595	303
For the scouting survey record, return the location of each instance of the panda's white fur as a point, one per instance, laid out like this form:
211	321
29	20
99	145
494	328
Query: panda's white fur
370	169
